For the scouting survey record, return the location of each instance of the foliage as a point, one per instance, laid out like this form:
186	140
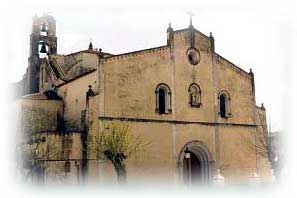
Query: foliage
36	120
34	145
115	143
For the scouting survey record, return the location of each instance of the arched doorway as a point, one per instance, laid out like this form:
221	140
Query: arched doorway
195	164
192	169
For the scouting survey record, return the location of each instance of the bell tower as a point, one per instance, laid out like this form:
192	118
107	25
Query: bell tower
43	42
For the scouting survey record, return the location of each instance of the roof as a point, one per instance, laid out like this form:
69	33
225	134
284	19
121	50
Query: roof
138	51
261	108
35	96
232	64
67	67
186	29
79	76
38	96
89	51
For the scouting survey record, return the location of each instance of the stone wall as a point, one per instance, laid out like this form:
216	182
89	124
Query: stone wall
185	73
124	87
40	103
238	84
74	98
130	81
127	85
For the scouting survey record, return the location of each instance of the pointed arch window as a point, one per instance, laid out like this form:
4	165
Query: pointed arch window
163	99
194	95
224	104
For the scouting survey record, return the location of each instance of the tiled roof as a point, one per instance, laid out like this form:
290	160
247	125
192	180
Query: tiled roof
35	96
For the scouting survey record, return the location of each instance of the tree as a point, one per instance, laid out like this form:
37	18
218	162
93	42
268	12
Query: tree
34	144
115	143
259	141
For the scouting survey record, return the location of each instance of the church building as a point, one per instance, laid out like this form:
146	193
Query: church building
196	108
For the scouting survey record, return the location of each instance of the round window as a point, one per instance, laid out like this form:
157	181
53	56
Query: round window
193	56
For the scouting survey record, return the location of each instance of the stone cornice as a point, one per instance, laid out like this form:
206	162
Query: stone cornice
136	53
232	65
130	119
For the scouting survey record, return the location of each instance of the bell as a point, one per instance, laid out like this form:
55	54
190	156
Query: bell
43	27
43	48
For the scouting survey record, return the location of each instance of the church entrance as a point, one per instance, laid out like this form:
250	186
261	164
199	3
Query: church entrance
192	169
195	164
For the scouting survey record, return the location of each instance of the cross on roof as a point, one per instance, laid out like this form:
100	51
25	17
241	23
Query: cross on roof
191	14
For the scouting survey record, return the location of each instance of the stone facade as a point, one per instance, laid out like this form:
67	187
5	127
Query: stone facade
212	122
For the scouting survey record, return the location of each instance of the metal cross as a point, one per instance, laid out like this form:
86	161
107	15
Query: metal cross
191	14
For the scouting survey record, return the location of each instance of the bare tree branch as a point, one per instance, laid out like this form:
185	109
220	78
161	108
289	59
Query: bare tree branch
257	141
34	146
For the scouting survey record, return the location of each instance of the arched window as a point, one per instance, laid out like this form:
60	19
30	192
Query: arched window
194	95
163	99
224	104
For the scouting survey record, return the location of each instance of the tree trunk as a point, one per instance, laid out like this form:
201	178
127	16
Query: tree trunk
120	168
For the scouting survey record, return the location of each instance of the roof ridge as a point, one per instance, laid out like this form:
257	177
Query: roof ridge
136	52
232	64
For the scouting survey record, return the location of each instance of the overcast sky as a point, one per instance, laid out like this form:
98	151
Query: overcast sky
251	34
